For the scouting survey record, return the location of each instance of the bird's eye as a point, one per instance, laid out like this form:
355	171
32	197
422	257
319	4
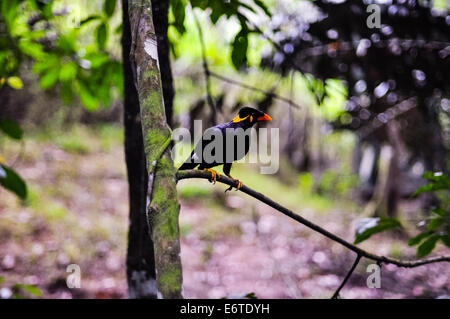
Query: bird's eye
251	118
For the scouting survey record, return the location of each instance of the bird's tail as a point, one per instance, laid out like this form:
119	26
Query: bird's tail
187	165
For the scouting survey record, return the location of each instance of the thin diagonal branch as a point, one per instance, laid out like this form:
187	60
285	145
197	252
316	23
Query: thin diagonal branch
278	47
397	110
336	293
361	252
208	74
352	45
206	71
252	88
292	62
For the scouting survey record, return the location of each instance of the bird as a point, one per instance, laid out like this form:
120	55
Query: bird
234	136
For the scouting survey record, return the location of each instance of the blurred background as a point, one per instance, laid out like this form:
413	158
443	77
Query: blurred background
362	106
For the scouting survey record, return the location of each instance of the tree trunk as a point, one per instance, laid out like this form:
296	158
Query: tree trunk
435	153
384	200
161	22
141	275
162	204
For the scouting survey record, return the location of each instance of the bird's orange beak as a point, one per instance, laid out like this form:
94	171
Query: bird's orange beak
264	118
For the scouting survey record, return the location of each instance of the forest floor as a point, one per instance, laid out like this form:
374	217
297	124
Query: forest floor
231	245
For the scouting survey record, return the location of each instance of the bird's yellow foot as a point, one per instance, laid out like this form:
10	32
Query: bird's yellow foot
239	183
214	174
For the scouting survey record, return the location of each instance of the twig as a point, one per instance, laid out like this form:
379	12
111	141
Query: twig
208	73
252	88
352	45
279	48
346	45
397	110
336	294
205	69
289	59
39	17
21	153
361	252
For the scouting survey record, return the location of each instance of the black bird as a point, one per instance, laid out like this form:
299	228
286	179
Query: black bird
234	138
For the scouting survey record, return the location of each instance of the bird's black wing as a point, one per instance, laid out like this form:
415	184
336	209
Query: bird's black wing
196	157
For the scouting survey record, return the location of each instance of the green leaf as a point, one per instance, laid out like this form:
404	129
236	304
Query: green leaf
103	93
32	49
66	92
68	71
416	240
446	239
239	49
263	6
89	101
47	10
9	10
432	176
15	82
32	290
246	6
12	181
202	4
439	211
89	19
439	181
367	227
215	16
97	59
109	6
50	78
68	41
102	35
51	61
427	246
179	13
251	295
118	29
435	223
11	128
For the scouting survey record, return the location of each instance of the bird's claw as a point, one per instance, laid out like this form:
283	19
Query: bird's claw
214	175
238	186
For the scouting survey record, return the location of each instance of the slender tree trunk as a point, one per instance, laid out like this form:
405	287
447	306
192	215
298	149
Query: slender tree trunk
141	275
161	22
434	152
162	204
385	197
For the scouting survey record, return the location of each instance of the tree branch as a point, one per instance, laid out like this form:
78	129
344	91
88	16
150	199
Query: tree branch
278	47
252	88
208	74
360	252
397	110
206	71
336	294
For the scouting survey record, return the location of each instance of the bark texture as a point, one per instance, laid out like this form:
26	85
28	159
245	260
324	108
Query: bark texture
161	23
162	204
141	275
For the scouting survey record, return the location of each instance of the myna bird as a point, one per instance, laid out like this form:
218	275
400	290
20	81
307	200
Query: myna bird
231	132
